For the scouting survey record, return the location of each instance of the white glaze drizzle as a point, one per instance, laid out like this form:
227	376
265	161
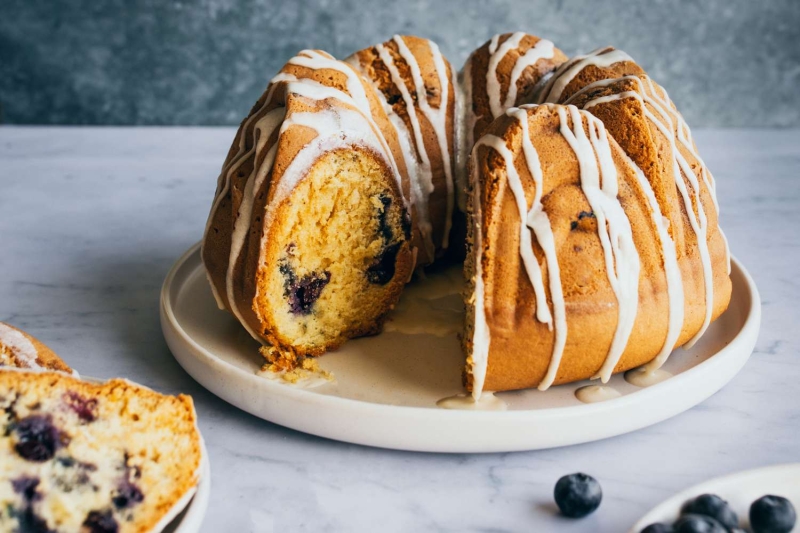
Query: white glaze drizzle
437	118
672	271
419	197
602	58
537	220
676	132
543	49
224	183
22	348
531	219
600	186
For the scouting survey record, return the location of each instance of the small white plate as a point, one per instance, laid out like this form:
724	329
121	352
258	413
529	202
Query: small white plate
187	515
740	490
387	386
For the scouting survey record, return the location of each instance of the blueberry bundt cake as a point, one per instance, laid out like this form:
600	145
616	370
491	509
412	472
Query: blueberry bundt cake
595	244
18	349
573	185
80	457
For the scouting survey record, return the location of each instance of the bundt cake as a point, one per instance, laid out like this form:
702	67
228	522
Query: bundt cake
595	245
308	240
77	456
18	349
588	218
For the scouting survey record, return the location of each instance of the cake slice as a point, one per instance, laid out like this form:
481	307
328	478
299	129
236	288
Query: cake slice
18	349
308	241
83	457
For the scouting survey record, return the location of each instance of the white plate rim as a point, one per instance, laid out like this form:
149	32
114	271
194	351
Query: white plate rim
673	504
179	341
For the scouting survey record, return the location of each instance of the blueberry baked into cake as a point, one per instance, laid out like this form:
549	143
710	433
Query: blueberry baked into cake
588	219
92	458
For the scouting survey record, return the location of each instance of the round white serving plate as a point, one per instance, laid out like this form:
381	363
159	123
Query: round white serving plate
387	386
187	515
740	490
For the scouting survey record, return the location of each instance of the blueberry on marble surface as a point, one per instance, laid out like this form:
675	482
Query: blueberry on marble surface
100	522
658	527
713	506
696	523
577	495
772	514
37	438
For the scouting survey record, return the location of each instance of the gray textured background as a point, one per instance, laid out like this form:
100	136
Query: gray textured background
725	62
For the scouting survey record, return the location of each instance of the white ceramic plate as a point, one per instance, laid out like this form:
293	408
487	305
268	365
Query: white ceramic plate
740	490
387	386
187	515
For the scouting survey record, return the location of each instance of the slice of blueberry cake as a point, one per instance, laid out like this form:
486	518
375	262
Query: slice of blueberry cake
92	458
21	350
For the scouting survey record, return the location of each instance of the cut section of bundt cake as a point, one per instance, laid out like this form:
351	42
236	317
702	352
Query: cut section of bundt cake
416	86
589	256
18	349
93	458
308	240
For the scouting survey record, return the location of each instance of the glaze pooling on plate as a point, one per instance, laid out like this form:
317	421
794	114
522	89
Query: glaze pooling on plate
597	393
432	305
646	377
388	385
487	402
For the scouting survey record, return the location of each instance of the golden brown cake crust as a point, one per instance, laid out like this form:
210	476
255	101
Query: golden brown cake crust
13	355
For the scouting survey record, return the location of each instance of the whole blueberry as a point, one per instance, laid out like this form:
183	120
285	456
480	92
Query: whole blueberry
578	495
715	507
772	514
37	438
696	523
658	527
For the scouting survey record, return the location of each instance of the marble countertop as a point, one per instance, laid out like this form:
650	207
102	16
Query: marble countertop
92	219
